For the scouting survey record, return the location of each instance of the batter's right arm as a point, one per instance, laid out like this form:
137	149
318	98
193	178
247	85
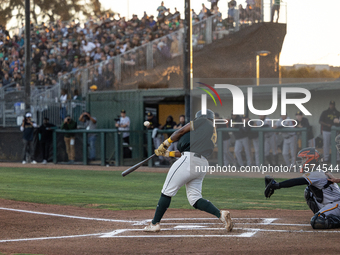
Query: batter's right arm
162	149
180	132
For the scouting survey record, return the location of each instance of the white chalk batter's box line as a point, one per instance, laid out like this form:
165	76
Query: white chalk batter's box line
178	226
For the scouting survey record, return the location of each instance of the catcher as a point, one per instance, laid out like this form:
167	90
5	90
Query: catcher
322	194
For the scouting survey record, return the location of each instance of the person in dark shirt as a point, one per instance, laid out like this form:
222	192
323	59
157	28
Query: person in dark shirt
27	127
169	124
69	138
153	121
303	122
195	143
328	118
181	122
46	133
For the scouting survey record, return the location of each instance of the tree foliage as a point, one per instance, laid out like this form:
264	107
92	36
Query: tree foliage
49	10
308	72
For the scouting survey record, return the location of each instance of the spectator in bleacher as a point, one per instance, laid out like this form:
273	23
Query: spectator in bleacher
213	3
204	13
6	79
161	12
18	78
63	101
109	76
174	50
97	79
88	47
275	8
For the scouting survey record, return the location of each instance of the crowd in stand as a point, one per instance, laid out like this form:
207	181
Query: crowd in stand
64	47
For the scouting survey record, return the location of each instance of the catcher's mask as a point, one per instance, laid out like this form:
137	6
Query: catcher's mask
307	156
210	115
337	143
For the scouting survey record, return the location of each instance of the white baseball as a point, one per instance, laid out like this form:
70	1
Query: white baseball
146	123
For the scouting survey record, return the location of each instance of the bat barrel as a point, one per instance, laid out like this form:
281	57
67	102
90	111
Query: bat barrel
135	167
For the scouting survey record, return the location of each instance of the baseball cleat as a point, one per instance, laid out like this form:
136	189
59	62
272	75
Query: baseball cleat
271	185
226	220
152	228
33	162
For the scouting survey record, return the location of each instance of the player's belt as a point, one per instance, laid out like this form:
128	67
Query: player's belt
195	154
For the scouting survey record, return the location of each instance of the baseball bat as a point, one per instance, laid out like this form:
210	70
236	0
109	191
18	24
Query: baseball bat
135	167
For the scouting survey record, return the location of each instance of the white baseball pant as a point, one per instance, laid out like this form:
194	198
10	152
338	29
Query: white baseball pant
187	170
289	144
326	135
257	151
227	156
270	144
241	144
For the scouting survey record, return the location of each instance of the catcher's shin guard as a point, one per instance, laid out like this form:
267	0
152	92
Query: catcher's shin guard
310	200
321	221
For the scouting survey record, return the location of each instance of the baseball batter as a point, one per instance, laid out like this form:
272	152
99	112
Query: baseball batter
322	193
195	143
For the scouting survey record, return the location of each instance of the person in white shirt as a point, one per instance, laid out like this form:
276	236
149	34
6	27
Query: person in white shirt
63	102
88	47
124	125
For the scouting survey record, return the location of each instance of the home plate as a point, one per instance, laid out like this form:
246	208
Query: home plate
189	226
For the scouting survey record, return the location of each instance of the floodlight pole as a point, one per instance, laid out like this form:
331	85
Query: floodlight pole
257	70
262	53
187	59
27	56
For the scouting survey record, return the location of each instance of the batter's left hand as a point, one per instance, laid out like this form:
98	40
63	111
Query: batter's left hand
160	151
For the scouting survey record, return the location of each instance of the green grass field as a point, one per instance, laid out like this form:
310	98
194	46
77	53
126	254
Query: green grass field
139	190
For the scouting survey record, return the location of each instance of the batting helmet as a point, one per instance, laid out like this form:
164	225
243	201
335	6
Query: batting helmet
209	115
308	156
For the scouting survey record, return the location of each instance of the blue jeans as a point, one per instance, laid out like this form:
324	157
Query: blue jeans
92	143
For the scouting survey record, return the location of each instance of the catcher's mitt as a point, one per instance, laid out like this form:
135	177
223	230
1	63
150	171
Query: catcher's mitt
270	186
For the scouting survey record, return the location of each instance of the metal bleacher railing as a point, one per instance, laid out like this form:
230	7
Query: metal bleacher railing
45	102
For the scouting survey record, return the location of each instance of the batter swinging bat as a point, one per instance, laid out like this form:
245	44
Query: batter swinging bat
135	167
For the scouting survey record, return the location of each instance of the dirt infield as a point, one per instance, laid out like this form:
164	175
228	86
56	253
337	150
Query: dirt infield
49	229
